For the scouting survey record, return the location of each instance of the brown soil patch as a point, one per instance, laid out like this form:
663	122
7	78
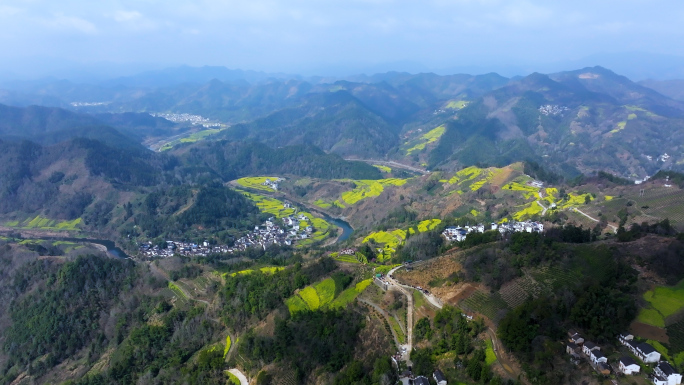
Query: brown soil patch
464	291
649	332
437	268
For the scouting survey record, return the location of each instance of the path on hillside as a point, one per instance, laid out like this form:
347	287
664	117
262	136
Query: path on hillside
409	313
496	344
595	220
389	164
405	355
543	208
237	373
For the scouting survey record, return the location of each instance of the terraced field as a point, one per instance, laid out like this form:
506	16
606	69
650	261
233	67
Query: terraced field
350	294
256	182
322	295
369	189
269	205
383	168
178	292
491	305
192	138
425	139
43	223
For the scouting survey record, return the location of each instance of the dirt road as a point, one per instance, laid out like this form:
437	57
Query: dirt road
237	373
496	344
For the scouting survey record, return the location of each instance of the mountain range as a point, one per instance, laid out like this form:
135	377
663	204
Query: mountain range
576	122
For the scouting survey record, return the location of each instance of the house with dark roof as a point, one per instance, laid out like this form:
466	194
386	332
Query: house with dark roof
589	346
596	356
644	351
420	380
666	374
571	348
577	339
628	366
624	337
439	377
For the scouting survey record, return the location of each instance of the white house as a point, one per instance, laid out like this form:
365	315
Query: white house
439	377
421	380
666	374
624	337
577	338
628	366
596	356
644	351
589	346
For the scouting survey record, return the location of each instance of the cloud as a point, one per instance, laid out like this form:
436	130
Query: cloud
126	16
70	23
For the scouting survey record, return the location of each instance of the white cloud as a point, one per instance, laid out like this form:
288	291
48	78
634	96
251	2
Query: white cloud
126	16
73	23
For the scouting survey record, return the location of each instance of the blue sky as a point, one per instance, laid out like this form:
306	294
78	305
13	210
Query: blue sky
316	36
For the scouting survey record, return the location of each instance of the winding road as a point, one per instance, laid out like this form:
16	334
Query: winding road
594	219
237	373
390	164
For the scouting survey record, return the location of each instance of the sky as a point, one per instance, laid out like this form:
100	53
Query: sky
323	37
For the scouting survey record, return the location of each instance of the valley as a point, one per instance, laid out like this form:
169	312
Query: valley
368	230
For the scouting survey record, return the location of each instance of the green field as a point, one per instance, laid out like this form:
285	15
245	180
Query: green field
383	168
322	295
427	138
43	223
309	295
397	329
428	225
269	205
226	349
490	355
456	104
178	292
369	189
232	379
349	295
529	210
664	301
192	138
265	270
255	182
326	291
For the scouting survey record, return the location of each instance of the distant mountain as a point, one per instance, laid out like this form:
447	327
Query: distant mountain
671	88
192	75
232	160
578	121
49	125
334	121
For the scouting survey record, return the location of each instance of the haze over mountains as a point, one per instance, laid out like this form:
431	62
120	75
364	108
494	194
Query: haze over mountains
578	121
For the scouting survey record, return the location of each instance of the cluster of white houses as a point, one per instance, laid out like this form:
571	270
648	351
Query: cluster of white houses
458	234
262	236
272	183
663	372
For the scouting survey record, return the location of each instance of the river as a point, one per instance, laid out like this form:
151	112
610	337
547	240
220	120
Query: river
346	227
114	251
110	245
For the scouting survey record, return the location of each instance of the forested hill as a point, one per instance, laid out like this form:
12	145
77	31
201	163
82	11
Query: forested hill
47	125
231	160
336	122
577	122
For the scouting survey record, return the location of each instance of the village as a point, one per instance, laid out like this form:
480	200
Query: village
459	234
285	233
662	372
